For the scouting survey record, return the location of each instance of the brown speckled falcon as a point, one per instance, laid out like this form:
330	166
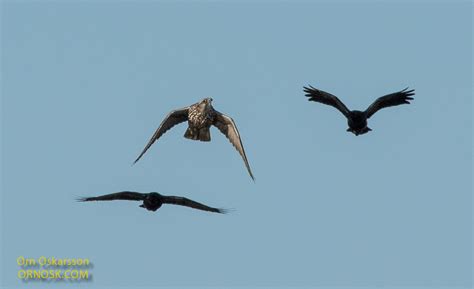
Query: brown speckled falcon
200	117
153	201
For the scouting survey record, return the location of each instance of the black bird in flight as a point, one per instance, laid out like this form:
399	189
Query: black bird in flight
356	119
200	117
153	201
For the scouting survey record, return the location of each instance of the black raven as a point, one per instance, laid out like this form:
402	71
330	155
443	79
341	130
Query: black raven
356	119
153	201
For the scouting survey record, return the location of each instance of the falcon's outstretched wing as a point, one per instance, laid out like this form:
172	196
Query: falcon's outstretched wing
227	126
388	100
126	195
190	203
317	95
173	118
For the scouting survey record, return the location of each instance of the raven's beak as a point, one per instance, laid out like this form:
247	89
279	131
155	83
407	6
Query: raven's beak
142	206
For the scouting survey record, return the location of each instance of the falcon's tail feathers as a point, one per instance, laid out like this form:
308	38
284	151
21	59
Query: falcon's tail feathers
202	134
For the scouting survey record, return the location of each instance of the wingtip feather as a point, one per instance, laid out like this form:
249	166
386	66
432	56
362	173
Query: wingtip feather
225	211
136	160
253	178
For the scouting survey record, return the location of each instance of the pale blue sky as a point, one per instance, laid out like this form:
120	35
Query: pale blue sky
85	84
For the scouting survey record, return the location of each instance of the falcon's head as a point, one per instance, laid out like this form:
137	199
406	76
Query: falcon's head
205	104
207	100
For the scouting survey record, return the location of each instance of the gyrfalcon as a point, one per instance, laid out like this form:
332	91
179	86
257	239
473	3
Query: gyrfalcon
200	117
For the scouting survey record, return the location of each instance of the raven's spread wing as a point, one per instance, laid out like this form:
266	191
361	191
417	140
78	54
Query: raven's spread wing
388	100
317	95
190	203
130	196
227	126
172	119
